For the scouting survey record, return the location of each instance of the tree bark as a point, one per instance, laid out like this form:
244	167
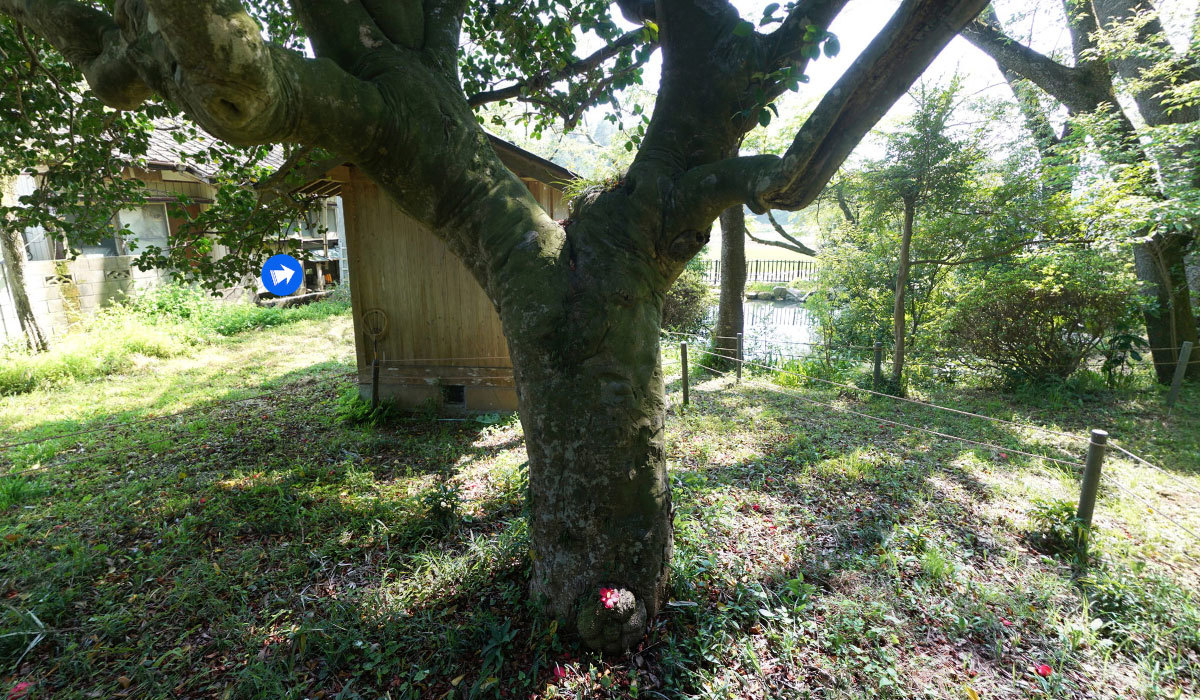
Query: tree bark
1162	272
905	261
12	247
730	316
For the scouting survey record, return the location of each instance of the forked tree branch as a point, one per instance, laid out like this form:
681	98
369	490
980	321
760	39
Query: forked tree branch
917	32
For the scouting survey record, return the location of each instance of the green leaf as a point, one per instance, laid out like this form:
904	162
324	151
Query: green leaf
832	46
743	28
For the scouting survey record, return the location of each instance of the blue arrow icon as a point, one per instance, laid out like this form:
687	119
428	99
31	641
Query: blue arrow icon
282	274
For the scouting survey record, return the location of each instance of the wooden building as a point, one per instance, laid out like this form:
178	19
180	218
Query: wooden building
66	281
418	311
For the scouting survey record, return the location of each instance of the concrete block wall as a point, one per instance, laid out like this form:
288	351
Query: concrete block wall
64	292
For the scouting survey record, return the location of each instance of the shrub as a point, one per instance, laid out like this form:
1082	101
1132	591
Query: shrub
1039	318
686	304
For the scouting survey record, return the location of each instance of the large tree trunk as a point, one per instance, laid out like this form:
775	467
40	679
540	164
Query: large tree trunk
730	319
901	290
12	247
598	477
590	390
1169	319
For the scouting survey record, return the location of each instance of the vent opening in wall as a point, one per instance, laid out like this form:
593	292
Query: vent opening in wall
454	394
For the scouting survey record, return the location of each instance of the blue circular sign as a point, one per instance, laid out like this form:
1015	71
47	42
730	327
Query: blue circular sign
282	274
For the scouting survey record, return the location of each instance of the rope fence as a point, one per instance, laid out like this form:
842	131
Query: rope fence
682	363
1091	467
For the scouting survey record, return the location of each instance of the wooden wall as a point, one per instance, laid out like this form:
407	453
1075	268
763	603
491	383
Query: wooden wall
442	330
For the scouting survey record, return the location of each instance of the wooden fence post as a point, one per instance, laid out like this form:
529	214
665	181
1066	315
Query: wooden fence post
1087	492
877	377
1181	366
740	359
683	361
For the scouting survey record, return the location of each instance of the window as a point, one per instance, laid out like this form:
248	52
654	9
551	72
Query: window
146	226
331	216
133	231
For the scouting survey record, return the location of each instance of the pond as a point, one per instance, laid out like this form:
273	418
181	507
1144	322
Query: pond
774	328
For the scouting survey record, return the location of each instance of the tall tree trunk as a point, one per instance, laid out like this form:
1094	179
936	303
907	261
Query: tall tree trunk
590	391
12	247
730	317
1169	318
901	289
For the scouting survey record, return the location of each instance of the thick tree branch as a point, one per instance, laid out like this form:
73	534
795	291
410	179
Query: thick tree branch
209	57
1073	86
89	39
638	11
443	30
344	32
918	31
402	22
571	70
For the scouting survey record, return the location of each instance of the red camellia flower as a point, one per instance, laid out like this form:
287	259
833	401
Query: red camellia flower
559	672
609	597
755	506
19	690
1005	622
1044	671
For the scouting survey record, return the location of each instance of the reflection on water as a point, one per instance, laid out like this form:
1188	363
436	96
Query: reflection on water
774	327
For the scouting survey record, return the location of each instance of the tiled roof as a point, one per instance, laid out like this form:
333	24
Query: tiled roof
165	150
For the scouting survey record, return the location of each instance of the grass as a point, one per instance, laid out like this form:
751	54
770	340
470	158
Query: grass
265	548
161	323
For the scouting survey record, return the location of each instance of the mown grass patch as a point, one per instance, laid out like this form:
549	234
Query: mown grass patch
162	322
272	548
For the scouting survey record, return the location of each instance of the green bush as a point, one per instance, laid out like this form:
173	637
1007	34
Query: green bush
686	304
206	314
1038	318
1055	529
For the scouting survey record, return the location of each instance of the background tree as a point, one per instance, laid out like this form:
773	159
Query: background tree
734	232
580	301
1165	234
925	173
922	225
